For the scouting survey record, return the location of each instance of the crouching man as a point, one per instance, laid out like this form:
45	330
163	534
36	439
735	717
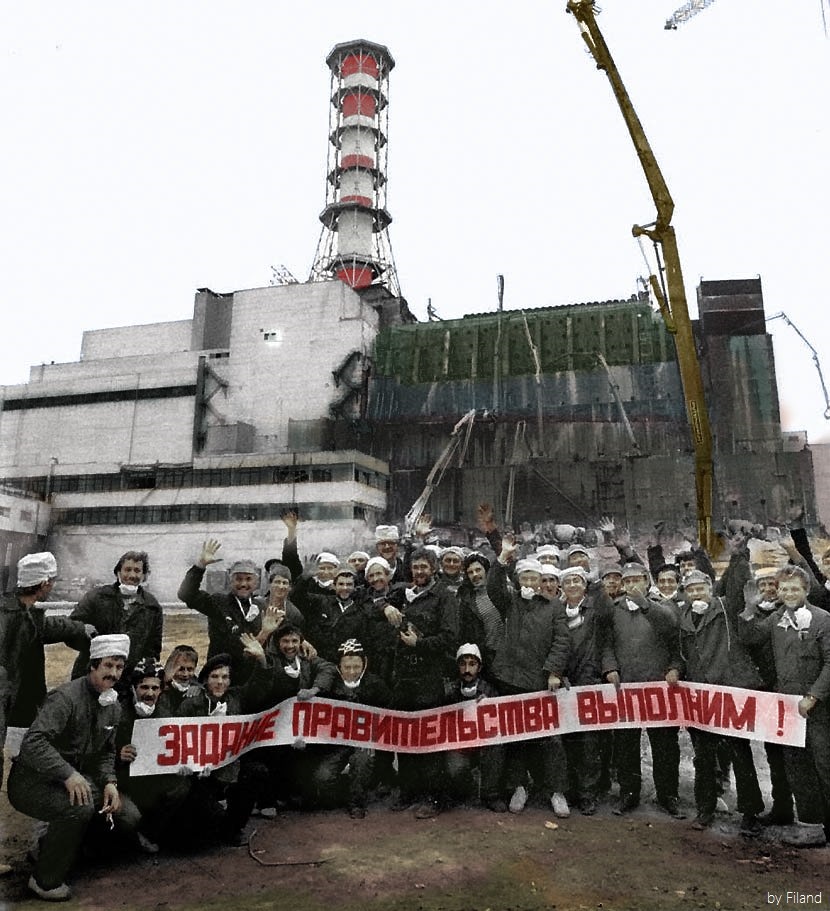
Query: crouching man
459	764
158	797
356	684
65	771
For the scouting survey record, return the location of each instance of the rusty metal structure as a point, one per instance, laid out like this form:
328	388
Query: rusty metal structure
614	432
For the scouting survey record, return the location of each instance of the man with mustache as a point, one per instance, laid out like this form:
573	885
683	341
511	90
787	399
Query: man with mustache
124	606
459	764
65	771
159	796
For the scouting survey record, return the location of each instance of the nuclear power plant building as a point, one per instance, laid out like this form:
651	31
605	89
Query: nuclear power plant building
329	396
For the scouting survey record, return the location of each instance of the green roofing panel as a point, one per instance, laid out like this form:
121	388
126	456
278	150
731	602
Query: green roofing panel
565	338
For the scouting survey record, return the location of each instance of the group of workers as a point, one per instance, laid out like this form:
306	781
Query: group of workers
413	626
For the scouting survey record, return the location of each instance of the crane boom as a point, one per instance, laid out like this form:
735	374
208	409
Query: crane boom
804	339
672	304
685	12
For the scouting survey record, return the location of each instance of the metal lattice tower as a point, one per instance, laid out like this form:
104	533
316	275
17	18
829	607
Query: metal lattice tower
354	243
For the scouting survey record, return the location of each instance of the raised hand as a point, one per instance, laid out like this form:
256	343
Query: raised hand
208	554
485	518
423	526
508	549
606	525
271	619
291	519
252	647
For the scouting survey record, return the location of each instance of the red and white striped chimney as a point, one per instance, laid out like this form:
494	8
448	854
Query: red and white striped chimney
354	243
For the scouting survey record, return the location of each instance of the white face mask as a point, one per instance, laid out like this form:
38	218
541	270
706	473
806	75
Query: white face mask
181	687
143	710
700	607
127	590
527	592
352	684
108	697
803	617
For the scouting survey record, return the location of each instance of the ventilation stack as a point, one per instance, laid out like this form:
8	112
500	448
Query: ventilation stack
354	244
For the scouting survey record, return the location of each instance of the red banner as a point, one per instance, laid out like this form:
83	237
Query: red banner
167	744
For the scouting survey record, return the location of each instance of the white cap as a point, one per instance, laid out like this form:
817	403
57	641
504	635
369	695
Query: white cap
458	551
36	568
114	645
578	549
548	569
528	565
387	533
378	561
548	550
469	648
573	571
326	557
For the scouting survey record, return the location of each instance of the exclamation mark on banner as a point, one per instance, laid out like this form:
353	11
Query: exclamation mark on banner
780	731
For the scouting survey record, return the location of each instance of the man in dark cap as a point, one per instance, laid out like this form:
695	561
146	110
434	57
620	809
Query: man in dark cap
229	614
354	683
158	797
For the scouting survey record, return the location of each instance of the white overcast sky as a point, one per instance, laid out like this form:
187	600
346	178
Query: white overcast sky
150	149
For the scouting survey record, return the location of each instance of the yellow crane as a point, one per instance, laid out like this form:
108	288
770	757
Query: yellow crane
671	296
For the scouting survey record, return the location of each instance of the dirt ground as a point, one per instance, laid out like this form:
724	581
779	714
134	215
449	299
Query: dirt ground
464	860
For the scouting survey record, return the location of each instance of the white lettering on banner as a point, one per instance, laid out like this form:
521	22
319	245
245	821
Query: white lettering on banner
167	744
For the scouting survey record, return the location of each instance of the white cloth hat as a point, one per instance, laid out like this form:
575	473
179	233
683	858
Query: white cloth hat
378	561
469	648
36	568
573	571
548	550
549	570
458	551
387	533
528	565
577	549
114	645
326	557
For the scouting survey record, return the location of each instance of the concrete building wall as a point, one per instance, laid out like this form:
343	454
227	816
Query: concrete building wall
331	492
286	342
742	392
146	339
108	432
125	372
